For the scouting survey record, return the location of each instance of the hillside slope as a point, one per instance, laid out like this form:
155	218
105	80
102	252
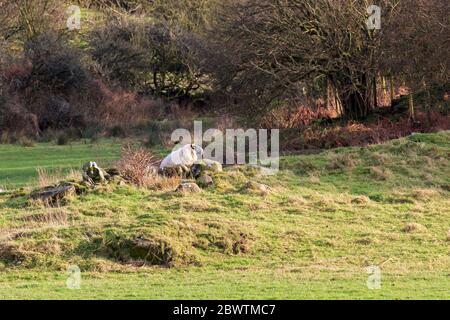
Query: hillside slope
326	218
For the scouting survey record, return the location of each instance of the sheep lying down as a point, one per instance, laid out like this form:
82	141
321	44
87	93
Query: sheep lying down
180	160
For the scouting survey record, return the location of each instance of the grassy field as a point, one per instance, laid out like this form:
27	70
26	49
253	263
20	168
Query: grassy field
18	164
207	283
326	219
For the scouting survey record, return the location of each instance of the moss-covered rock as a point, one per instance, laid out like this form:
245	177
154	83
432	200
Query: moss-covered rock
205	166
188	187
258	188
177	171
54	195
93	174
205	181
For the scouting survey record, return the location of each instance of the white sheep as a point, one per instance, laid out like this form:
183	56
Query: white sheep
183	157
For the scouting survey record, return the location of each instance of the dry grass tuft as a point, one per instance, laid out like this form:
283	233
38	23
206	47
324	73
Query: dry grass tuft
380	173
411	227
341	161
59	217
448	235
424	194
314	178
360	200
165	183
48	178
139	166
381	158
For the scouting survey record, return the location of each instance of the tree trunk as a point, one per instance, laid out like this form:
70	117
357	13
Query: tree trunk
357	102
355	105
411	108
427	103
391	89
375	97
338	102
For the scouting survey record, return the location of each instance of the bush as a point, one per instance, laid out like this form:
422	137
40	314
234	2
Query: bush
16	119
113	107
57	113
118	132
62	139
50	88
138	166
159	133
151	57
55	65
39	86
26	142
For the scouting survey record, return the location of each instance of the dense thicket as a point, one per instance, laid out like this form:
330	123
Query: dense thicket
253	56
288	47
148	57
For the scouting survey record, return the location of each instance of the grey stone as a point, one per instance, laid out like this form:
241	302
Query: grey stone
188	187
54	194
93	174
205	181
180	171
257	187
205	165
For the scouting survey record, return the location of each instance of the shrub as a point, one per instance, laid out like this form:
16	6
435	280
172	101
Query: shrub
26	142
138	165
57	113
14	118
159	133
55	65
38	87
52	90
153	58
114	107
295	117
62	139
341	161
380	173
117	131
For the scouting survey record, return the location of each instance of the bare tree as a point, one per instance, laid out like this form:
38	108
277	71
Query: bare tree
29	18
286	46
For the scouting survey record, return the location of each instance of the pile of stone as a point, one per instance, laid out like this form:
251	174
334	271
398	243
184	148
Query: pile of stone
196	176
93	176
199	175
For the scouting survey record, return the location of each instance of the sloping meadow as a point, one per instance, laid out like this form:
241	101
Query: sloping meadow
343	209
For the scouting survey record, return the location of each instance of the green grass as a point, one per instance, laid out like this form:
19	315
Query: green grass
18	164
212	283
327	218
